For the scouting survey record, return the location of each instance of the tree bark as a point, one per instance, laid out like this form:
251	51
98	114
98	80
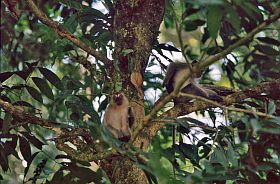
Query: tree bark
135	27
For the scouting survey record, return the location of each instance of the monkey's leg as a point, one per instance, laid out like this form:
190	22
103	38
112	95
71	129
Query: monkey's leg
116	133
213	95
195	89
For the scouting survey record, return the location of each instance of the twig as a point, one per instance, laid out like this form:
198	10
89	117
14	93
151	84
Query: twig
61	31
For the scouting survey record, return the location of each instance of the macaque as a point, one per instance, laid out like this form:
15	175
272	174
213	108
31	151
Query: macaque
174	74
119	117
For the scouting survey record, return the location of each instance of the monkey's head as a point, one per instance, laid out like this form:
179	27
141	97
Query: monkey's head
118	98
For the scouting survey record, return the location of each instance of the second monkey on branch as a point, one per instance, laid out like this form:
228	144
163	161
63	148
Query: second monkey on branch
175	72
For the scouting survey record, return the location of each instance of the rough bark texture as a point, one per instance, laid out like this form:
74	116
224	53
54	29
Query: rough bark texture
135	27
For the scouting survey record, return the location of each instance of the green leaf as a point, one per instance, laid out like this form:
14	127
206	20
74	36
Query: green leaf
219	157
190	152
214	17
71	23
168	47
189	11
29	163
51	77
267	50
268	40
93	13
44	87
4	163
33	140
23	103
35	94
234	19
5	75
231	155
255	124
191	120
109	5
87	107
71	3
271	107
125	52
7	122
191	25
25	149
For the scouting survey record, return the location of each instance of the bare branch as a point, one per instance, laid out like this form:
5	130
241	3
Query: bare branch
61	31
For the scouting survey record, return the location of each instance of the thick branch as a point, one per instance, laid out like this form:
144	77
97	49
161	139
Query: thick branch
203	64
85	155
268	88
20	116
66	34
152	126
24	117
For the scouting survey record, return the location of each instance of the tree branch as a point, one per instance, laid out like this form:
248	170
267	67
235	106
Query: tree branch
203	64
20	116
61	31
26	118
151	127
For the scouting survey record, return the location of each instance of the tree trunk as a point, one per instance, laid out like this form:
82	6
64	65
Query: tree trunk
136	27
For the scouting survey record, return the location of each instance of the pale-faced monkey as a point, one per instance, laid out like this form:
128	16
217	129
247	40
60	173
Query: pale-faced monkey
119	117
175	72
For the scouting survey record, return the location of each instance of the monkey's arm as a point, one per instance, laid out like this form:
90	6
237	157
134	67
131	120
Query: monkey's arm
131	117
125	129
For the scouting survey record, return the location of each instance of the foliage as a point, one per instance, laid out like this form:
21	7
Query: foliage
48	76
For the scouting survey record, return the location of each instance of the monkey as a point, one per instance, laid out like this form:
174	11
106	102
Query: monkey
173	77
174	74
119	117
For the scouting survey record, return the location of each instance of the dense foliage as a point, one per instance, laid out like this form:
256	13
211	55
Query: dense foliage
57	92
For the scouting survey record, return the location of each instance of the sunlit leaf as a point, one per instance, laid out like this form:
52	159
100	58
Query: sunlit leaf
271	107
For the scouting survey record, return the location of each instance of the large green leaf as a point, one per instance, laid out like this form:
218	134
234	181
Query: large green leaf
25	149
51	77
71	23
35	94
43	86
214	17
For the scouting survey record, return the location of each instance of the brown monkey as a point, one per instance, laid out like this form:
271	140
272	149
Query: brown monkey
174	74
119	117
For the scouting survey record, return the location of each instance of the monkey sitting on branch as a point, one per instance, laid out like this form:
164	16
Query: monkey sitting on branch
119	117
175	72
